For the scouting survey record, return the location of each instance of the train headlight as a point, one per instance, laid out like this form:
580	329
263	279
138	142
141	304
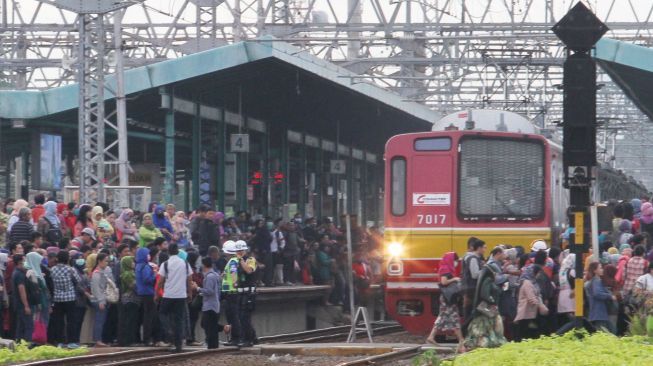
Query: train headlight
395	249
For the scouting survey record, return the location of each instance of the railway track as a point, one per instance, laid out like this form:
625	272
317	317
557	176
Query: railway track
329	334
385	358
155	356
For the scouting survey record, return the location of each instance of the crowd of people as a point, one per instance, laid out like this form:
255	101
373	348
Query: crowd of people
149	277
511	292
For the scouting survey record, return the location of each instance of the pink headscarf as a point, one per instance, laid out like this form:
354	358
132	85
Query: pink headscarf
447	264
647	213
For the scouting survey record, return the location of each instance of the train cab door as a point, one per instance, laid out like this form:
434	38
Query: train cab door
432	205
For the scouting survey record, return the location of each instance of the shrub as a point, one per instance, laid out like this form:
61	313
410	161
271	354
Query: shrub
24	354
572	348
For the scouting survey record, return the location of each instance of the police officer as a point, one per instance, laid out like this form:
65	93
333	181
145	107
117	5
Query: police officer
230	292
247	292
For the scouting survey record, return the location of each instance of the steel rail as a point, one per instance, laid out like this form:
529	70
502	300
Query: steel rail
385	357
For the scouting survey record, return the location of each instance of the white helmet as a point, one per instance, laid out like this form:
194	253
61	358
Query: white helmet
241	245
538	245
229	247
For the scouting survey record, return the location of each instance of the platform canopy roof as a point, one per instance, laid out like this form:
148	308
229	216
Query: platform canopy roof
277	83
631	67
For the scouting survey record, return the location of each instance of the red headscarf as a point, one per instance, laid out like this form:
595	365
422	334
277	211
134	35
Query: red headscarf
447	264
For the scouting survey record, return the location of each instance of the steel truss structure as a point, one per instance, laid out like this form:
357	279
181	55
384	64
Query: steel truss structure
448	54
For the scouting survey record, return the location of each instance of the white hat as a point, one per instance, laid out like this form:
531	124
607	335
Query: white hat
538	245
229	247
241	245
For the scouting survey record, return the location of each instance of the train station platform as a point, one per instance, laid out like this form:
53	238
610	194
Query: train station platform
281	309
315	132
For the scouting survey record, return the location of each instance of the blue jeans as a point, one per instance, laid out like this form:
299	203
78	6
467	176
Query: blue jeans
100	318
24	325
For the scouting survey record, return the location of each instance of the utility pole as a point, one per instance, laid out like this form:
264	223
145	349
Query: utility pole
579	30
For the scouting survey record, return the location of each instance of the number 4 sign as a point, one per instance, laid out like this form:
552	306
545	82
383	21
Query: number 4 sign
239	142
338	167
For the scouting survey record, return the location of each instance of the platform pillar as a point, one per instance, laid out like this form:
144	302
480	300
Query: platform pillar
195	173
169	181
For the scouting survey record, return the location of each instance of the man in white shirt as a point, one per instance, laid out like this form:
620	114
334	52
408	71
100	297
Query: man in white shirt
176	284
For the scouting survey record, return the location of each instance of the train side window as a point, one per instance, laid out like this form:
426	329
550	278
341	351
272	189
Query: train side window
433	144
398	197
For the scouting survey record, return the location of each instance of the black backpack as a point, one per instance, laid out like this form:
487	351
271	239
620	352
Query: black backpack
33	291
53	235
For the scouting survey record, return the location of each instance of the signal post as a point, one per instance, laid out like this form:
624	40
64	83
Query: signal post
579	30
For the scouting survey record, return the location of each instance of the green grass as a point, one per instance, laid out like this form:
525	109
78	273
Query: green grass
574	348
24	354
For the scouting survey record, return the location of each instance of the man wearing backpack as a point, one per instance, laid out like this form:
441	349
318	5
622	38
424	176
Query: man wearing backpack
23	309
175	280
472	264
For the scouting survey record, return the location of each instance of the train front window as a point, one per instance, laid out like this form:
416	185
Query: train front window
398	171
501	179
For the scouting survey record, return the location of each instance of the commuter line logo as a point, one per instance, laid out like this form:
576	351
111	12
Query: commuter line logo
431	199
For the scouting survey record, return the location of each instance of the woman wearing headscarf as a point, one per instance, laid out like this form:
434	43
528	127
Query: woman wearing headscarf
145	279
20	203
128	318
84	220
162	223
529	304
448	320
646	218
611	284
82	291
148	232
195	306
125	229
486	326
62	214
23	228
567	276
599	298
100	276
180	226
70	217
35	274
103	228
49	225
625	231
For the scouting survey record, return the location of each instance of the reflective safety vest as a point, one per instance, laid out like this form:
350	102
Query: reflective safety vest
230	276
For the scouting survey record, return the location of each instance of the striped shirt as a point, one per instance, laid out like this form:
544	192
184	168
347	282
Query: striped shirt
64	279
21	230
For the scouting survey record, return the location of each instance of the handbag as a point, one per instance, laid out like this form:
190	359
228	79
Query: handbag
451	292
111	292
486	309
40	333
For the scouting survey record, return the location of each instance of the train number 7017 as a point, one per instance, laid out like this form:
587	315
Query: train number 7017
431	219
